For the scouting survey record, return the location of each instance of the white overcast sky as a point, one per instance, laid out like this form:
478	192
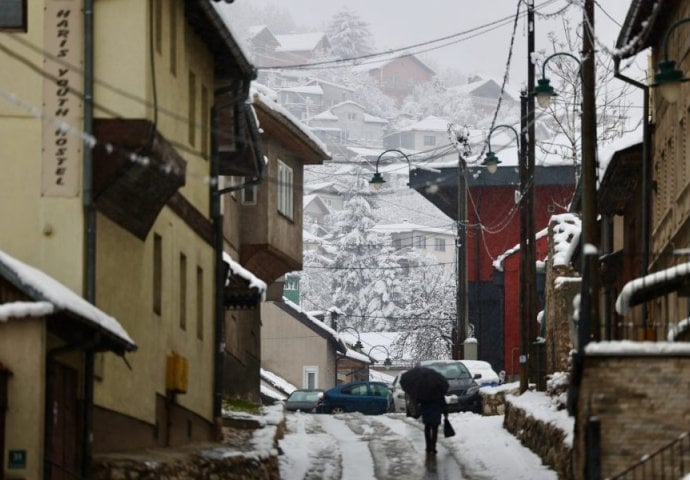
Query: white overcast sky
398	23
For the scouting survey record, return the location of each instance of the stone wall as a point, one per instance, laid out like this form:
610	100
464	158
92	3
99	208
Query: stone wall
542	438
640	400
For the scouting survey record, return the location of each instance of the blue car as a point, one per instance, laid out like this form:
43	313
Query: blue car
365	397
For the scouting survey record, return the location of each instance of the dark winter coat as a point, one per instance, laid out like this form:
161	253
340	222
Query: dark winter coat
432	411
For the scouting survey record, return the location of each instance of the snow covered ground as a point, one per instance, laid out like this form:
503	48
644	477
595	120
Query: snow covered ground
391	446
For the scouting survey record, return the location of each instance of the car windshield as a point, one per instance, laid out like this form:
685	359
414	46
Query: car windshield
451	370
301	396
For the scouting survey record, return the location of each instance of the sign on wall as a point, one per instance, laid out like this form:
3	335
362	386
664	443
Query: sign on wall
62	102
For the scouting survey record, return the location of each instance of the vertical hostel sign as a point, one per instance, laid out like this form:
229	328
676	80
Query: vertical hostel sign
62	102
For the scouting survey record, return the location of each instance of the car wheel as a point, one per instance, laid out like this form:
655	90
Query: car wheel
337	410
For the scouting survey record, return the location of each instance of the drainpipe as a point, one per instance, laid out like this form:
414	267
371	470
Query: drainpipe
90	236
646	175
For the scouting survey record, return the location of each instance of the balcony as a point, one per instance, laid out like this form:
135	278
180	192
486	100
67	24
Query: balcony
129	191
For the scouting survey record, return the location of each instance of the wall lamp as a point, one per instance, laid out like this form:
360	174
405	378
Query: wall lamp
357	347
491	161
387	362
668	78
377	179
544	91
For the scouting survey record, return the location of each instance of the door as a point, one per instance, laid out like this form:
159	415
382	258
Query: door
64	455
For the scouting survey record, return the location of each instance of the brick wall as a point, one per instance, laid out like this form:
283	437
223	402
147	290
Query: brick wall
641	402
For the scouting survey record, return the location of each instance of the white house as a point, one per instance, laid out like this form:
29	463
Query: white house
348	123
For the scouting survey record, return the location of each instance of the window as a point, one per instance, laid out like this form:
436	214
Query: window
397	243
199	303
191	111
429	140
285	190
183	291
440	245
351	116
205	117
248	193
420	241
173	38
13	15
158	25
311	377
157	273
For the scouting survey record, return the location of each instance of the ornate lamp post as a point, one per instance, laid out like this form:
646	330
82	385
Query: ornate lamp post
387	362
668	78
377	179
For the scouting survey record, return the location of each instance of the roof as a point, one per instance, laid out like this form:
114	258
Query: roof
373	119
405	227
51	297
316	199
332	84
242	287
299	42
325	115
431	123
472	88
643	23
297	129
382	63
313	323
308	89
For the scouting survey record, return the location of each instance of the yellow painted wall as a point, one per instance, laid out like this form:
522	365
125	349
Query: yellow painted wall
24	214
22	342
125	263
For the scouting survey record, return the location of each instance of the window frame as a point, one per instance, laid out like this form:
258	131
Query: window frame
286	191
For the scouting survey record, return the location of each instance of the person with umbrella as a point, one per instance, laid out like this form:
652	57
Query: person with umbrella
428	387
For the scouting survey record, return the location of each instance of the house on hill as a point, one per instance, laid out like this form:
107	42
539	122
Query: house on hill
348	123
398	76
299	48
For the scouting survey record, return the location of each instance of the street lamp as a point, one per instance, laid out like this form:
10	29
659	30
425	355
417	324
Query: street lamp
491	161
668	78
357	347
377	179
387	362
544	91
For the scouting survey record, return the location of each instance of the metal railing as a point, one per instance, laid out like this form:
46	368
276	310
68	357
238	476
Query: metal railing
670	462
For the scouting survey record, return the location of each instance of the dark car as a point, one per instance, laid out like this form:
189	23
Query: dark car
304	400
461	383
365	397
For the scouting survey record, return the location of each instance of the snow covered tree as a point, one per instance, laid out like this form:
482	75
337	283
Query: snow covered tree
349	35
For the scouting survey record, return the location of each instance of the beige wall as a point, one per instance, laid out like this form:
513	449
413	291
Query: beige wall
287	346
22	343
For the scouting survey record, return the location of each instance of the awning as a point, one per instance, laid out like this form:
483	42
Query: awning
242	289
651	286
43	289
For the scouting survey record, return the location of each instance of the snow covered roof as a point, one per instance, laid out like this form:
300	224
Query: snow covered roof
308	199
326	82
259	97
276	381
369	66
306	89
299	42
308	237
51	297
240	271
325	115
360	357
374	119
651	286
431	123
407	227
313	322
607	151
316	187
498	263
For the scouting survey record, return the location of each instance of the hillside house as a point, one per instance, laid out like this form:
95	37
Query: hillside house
399	76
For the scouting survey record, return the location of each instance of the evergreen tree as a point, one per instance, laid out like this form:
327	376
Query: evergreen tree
349	35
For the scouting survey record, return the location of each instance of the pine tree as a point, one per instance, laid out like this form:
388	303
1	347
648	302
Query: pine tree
349	35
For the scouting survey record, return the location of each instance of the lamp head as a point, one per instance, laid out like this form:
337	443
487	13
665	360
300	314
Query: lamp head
377	181
668	78
544	91
357	347
387	362
491	162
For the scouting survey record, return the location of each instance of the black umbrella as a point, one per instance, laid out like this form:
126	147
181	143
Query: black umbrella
424	384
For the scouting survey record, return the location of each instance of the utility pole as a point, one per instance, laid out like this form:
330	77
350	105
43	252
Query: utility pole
589	312
528	272
460	328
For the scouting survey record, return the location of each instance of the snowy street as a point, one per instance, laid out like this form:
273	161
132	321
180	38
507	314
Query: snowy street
355	446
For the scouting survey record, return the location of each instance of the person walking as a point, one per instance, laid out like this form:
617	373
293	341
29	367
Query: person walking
431	418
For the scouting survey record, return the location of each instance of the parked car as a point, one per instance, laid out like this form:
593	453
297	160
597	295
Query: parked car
397	397
461	383
489	377
365	397
304	400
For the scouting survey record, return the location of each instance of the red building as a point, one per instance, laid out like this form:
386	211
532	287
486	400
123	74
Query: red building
493	227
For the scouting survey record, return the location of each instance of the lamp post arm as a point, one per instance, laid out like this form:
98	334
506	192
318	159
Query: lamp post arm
409	164
557	54
517	136
668	34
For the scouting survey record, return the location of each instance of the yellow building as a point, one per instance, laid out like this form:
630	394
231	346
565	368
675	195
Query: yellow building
107	137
